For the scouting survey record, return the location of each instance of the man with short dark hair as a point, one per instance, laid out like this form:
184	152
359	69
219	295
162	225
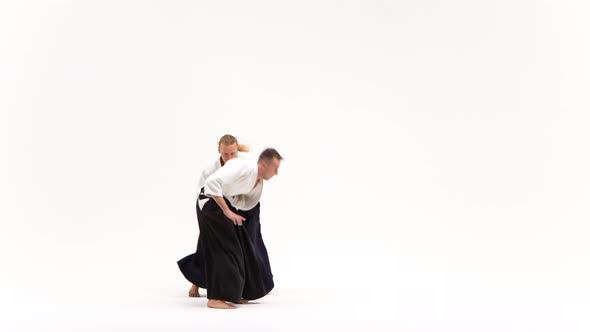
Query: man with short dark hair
233	273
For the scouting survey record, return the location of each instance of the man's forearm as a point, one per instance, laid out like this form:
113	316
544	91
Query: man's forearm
221	202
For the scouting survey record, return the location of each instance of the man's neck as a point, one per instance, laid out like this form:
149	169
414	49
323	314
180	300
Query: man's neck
259	176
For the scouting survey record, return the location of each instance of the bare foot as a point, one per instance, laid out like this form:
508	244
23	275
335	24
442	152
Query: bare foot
219	304
194	291
243	301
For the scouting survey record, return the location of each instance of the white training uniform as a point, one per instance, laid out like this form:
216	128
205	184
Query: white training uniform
236	181
217	165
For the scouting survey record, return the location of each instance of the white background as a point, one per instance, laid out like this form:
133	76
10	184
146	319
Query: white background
435	175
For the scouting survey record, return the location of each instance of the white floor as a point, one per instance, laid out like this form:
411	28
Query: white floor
290	310
381	287
299	310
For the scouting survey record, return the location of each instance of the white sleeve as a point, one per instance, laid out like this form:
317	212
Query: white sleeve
204	176
208	171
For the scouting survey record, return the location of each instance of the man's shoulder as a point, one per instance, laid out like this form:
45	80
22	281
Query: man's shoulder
242	163
246	155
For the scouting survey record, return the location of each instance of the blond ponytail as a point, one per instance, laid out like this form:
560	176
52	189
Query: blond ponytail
229	140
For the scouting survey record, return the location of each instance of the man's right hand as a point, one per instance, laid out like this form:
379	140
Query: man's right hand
234	217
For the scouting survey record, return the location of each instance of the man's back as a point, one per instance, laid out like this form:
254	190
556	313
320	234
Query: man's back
237	181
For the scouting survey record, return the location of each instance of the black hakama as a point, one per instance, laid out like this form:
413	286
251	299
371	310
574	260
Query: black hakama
253	228
230	261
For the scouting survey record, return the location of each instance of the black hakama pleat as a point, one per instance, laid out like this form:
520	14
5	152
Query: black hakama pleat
193	265
253	228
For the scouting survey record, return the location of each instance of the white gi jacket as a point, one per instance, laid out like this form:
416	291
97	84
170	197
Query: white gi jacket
236	181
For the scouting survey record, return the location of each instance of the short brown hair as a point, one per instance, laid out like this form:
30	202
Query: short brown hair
269	154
